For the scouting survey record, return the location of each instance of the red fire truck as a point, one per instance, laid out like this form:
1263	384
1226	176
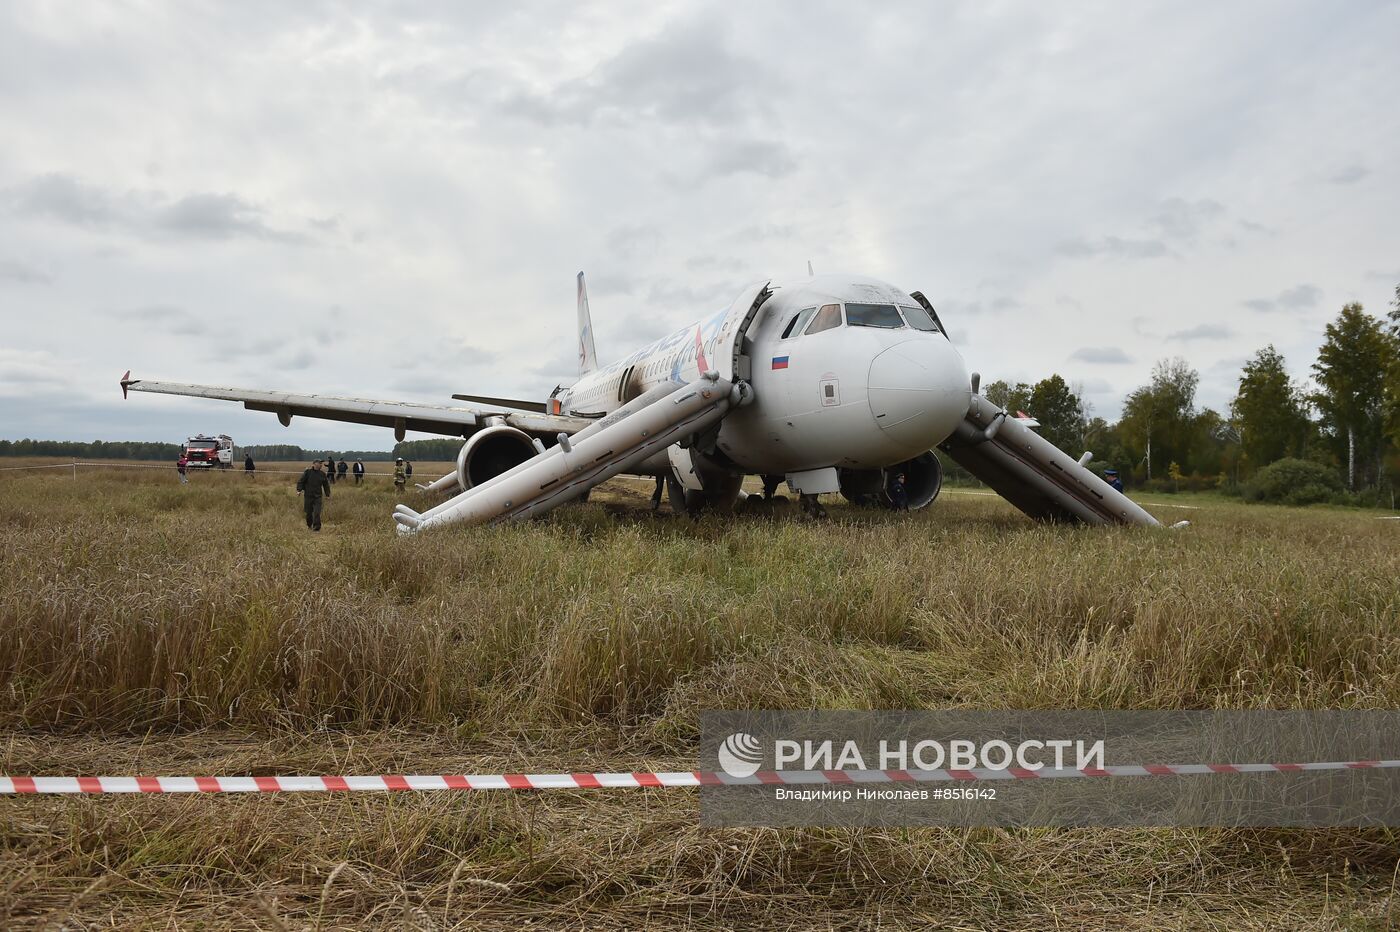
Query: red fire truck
203	451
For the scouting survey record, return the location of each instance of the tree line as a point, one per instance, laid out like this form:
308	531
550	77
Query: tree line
147	450
1343	426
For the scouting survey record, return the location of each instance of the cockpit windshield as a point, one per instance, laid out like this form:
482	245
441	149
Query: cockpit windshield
919	318
828	318
873	315
795	325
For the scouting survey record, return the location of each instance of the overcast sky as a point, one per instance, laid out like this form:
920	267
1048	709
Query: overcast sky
392	203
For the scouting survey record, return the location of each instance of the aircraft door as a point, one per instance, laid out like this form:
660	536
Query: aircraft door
730	357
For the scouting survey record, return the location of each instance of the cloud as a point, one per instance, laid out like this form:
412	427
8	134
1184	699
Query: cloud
1202	332
1299	297
769	158
167	318
427	384
674	298
634	240
216	216
65	198
1101	354
20	273
1350	175
300	360
608	284
151	214
1176	221
26	373
711	263
1114	246
1184	220
686	74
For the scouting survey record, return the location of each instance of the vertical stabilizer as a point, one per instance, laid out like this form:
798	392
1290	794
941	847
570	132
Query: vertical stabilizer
587	355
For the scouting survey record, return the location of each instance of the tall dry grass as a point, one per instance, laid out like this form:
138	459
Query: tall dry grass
207	621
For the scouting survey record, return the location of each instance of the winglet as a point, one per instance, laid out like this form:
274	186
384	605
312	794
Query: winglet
587	355
127	380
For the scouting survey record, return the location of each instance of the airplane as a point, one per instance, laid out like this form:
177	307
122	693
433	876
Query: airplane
833	383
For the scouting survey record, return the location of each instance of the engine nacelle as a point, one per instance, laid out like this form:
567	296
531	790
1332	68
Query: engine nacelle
490	452
923	479
863	487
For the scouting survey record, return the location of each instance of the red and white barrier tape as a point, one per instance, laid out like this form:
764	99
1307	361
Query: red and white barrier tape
597	781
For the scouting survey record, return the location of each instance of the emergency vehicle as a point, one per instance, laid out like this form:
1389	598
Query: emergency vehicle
203	451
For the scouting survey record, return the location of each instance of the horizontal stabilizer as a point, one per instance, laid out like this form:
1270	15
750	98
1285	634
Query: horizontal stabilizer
535	406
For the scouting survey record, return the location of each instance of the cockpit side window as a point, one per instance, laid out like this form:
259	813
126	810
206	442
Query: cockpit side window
883	316
828	318
795	325
918	319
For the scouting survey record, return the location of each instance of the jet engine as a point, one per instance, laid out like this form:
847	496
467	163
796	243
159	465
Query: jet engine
923	478
863	487
490	452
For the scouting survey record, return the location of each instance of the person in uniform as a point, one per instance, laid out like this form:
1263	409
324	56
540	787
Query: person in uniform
340	470
899	492
312	485
248	465
1112	476
330	469
400	475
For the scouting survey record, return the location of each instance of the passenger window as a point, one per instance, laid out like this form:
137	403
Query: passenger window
918	319
795	325
828	318
883	316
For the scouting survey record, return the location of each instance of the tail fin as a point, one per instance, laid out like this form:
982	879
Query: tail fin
587	355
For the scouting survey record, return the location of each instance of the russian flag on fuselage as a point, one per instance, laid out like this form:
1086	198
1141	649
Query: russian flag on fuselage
780	362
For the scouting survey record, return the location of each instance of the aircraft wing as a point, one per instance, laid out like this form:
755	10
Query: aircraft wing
401	416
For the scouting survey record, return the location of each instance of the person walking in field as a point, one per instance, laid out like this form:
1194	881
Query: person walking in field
312	485
407	469
248	465
400	475
330	469
359	471
181	467
340	469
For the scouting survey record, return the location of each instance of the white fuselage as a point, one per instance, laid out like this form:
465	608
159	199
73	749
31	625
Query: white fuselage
860	380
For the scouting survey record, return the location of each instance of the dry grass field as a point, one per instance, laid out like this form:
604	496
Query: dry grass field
152	628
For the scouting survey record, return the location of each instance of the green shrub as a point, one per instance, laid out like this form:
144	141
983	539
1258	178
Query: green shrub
1293	482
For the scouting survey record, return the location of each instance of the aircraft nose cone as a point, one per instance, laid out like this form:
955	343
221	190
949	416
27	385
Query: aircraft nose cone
919	392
